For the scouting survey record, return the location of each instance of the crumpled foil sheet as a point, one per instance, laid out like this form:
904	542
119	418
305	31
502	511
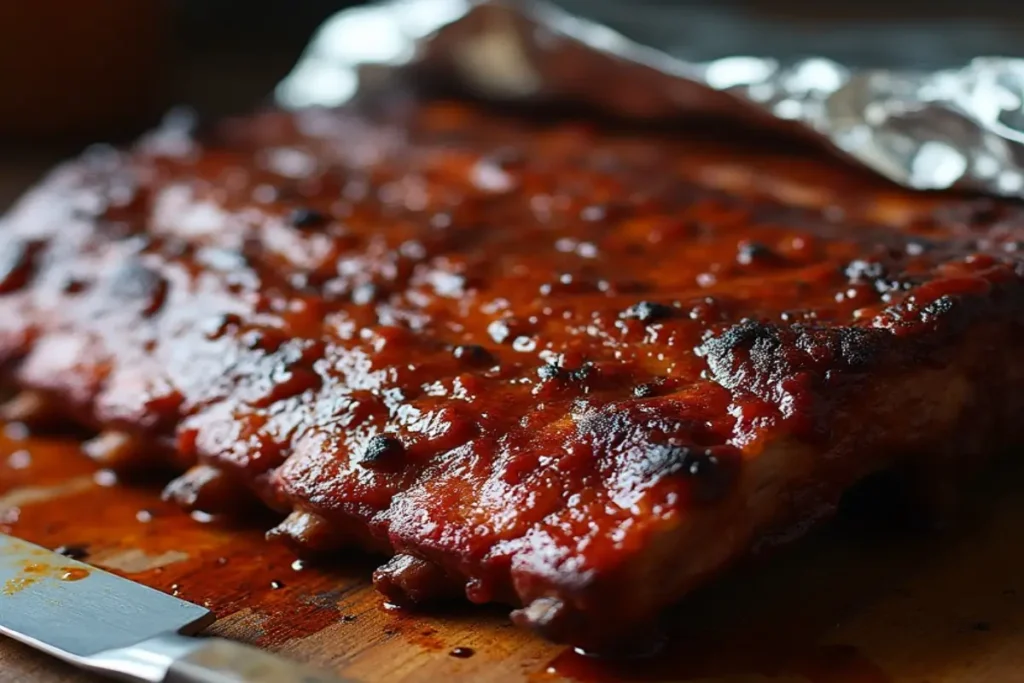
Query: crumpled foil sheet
954	128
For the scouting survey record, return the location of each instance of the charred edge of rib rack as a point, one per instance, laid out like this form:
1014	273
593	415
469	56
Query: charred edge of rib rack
754	354
753	336
710	471
858	346
945	312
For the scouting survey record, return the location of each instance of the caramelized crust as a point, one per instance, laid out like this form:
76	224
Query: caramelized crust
574	370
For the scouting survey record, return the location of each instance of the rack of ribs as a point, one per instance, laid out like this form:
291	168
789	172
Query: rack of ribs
542	362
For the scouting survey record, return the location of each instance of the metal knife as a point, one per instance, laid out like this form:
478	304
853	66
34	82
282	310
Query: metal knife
110	625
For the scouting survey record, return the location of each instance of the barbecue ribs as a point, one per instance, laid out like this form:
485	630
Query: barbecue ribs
571	369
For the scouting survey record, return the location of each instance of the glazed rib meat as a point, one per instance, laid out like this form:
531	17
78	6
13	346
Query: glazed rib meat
540	362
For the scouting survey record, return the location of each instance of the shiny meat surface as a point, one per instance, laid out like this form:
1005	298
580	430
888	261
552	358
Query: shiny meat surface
573	370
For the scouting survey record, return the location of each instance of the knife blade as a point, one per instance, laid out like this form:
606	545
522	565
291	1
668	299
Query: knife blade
114	626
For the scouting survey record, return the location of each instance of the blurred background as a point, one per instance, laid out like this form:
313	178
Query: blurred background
76	71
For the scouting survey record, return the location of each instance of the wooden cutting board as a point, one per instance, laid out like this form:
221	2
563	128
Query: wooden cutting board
850	605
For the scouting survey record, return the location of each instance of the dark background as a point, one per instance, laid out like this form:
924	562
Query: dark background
912	33
105	68
75	71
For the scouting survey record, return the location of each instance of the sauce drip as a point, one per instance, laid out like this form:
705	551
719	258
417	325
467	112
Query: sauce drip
32	572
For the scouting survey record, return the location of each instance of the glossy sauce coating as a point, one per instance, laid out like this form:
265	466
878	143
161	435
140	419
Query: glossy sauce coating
542	364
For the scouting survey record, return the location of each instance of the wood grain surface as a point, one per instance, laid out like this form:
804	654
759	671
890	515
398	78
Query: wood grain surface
852	605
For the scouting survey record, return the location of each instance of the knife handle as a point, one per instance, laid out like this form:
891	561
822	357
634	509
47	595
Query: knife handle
176	658
216	660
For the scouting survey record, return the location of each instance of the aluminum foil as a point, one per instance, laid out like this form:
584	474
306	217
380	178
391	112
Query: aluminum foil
959	127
